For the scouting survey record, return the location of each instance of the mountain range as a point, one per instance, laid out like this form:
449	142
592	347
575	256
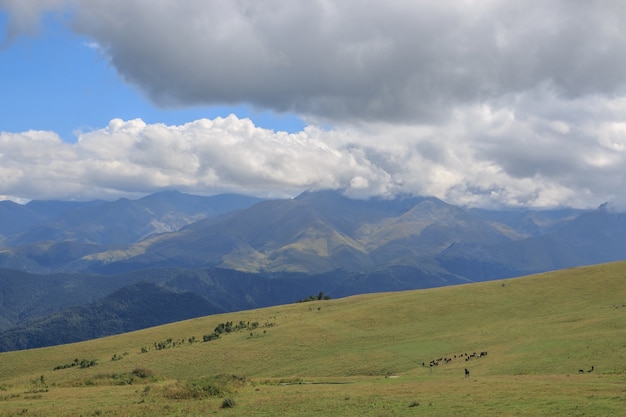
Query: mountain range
63	260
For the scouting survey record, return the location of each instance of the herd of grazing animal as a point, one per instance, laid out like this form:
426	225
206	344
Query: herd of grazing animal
467	357
446	359
582	371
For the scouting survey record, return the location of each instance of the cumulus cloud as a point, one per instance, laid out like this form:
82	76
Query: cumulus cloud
463	163
205	156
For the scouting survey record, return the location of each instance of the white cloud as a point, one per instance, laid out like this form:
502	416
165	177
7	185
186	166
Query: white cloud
205	156
463	162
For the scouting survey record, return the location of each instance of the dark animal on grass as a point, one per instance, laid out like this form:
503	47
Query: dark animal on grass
580	371
592	368
467	373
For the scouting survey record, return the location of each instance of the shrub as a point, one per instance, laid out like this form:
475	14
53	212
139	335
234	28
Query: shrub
209	337
164	344
216	386
228	403
205	387
318	297
189	391
83	364
143	373
38	385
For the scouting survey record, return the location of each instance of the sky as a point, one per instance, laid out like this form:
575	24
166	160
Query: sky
482	103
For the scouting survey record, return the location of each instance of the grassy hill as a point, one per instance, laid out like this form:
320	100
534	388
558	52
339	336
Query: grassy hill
367	355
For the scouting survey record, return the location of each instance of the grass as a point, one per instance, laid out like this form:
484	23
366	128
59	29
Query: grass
366	355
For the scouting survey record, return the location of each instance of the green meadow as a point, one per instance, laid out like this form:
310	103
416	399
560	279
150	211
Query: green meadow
368	355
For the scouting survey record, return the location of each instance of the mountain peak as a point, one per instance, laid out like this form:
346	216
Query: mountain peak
320	194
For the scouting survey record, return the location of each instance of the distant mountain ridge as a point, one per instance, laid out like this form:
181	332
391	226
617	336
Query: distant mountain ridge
53	236
316	232
593	237
121	221
59	260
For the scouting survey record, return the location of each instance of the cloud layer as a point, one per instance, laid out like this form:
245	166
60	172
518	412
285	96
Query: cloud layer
483	157
352	60
477	102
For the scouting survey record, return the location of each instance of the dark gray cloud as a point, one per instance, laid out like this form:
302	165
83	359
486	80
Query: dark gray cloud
357	60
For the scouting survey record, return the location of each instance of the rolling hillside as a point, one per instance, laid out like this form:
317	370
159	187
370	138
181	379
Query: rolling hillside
543	345
45	310
133	307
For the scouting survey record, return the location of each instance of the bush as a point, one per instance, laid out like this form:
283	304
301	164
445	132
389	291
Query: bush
83	364
228	403
318	297
205	387
196	389
209	337
86	363
117	357
216	386
143	373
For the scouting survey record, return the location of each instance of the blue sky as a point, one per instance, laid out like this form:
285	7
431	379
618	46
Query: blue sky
54	80
486	104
